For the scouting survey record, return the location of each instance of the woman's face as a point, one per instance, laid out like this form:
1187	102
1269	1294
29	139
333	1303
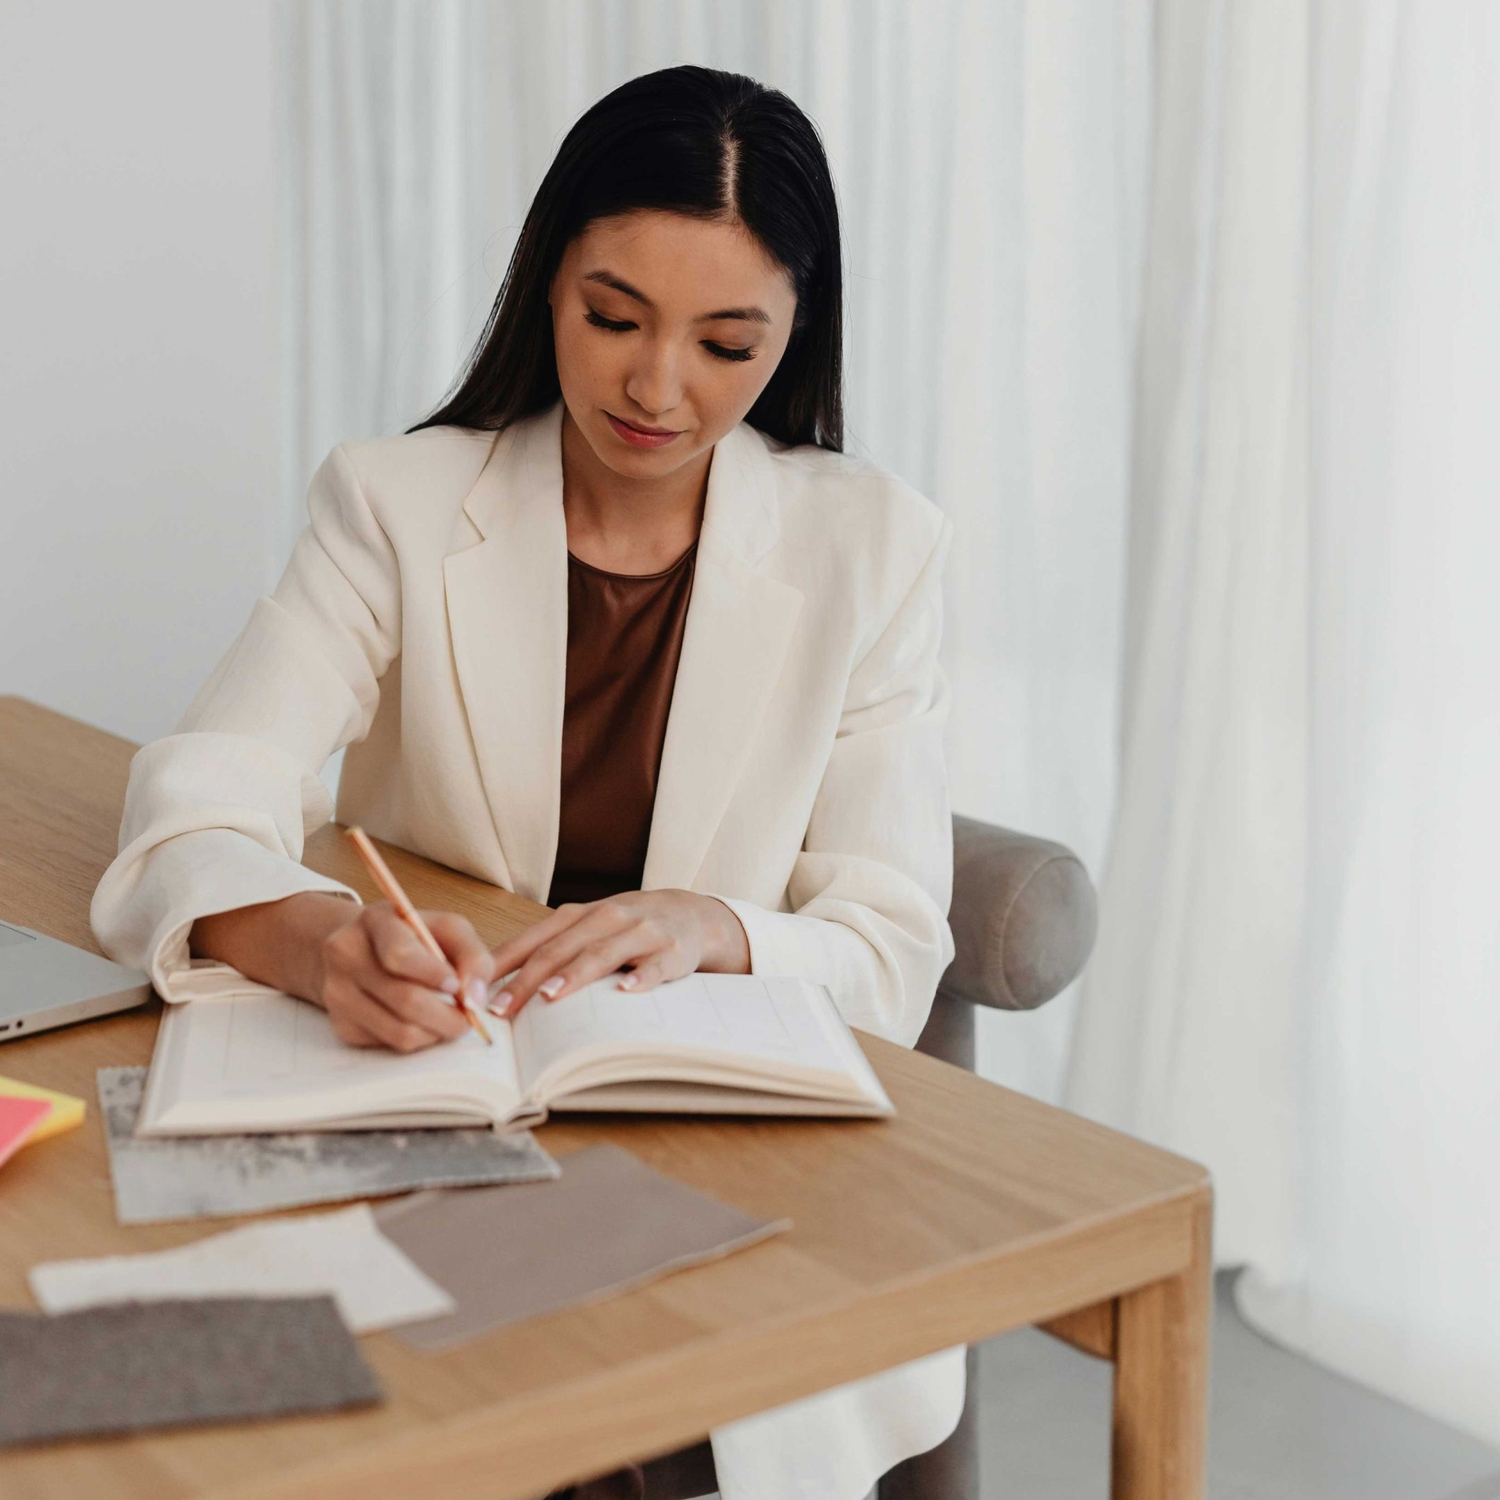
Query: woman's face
667	330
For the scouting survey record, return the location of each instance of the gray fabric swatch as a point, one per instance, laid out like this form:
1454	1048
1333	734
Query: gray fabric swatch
211	1176
608	1223
163	1364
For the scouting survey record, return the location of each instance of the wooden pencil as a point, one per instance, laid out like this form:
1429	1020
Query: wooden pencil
391	889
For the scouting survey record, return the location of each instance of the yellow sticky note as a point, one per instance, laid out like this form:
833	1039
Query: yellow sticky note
67	1112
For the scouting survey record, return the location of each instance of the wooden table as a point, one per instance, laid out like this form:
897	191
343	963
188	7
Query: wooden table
973	1211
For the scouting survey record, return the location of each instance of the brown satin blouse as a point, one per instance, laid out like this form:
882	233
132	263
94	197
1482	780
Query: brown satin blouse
624	638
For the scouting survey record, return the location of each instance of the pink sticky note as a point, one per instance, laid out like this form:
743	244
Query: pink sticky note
18	1118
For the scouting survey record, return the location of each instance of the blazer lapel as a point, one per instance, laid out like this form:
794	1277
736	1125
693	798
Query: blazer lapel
508	617
740	622
508	621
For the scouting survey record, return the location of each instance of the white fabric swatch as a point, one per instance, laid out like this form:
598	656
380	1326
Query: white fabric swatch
344	1254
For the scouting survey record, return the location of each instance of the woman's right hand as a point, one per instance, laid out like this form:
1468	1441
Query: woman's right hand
382	988
362	964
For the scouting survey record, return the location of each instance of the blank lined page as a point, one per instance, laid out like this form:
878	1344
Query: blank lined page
777	1020
272	1046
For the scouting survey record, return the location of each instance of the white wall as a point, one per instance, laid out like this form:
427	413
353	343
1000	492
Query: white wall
137	353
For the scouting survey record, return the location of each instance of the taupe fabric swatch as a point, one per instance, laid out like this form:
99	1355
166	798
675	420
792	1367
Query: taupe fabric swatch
162	1364
607	1223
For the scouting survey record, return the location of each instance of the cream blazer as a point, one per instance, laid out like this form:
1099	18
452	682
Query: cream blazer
422	622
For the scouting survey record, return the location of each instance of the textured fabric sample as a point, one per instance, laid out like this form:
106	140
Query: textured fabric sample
207	1176
162	1364
521	1251
373	1283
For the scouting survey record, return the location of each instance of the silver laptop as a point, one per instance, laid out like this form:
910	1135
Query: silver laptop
45	983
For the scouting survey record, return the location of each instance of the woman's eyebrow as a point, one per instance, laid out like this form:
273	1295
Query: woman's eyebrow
747	314
607	278
744	314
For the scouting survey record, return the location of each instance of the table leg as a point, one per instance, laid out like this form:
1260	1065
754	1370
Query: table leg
1161	1380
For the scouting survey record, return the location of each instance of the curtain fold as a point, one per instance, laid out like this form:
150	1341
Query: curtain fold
382	160
1396	1281
1187	1031
1298	975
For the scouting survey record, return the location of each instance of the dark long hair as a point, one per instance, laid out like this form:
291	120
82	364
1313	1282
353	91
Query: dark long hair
692	141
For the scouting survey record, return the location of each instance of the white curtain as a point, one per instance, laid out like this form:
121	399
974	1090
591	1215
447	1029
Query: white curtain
1298	976
381	180
1224	599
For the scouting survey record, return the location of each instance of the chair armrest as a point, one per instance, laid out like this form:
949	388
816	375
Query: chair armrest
1024	916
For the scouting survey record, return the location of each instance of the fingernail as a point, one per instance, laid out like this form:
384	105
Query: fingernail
627	982
474	994
501	1002
551	986
450	985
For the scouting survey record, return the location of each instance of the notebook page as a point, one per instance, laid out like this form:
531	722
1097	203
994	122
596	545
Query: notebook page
270	1046
775	1019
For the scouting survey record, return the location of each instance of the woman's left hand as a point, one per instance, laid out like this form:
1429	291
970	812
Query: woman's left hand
660	934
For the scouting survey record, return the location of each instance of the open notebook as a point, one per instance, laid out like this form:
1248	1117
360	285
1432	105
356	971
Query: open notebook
710	1043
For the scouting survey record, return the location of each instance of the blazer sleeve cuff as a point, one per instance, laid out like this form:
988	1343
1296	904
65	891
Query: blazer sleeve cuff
867	979
776	944
142	919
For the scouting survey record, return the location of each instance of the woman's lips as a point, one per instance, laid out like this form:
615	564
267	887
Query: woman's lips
638	438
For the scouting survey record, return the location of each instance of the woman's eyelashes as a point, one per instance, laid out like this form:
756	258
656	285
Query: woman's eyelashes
719	351
600	321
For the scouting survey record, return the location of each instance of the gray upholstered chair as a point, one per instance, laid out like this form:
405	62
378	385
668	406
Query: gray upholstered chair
1023	920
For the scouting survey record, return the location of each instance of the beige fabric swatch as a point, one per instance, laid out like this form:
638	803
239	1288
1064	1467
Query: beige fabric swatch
342	1254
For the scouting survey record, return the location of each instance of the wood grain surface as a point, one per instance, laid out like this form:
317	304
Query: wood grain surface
974	1210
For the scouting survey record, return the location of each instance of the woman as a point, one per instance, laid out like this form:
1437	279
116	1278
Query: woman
618	628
